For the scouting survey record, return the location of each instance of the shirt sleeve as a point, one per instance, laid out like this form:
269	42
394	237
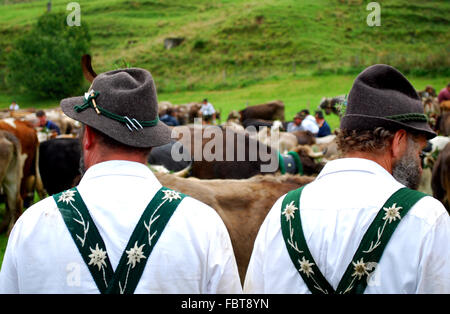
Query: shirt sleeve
254	278
9	280
434	268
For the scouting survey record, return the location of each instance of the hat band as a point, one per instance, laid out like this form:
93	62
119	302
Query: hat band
90	102
409	117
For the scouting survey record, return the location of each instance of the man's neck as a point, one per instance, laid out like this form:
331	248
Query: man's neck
382	159
97	158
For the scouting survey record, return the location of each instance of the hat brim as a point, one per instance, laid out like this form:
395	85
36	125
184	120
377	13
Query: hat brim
365	122
143	138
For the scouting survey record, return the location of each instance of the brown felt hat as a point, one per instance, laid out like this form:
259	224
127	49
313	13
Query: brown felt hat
123	105
382	97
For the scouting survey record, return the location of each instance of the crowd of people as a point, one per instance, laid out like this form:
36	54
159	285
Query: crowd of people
359	227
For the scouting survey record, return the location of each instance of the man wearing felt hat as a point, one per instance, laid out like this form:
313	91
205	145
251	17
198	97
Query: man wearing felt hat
119	230
360	227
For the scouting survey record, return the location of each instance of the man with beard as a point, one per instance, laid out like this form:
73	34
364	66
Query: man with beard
360	227
119	230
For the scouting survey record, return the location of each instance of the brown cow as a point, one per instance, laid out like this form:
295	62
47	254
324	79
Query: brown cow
242	204
27	136
11	165
273	110
305	137
440	180
234	155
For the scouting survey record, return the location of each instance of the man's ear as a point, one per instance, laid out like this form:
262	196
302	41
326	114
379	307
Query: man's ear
88	137
399	144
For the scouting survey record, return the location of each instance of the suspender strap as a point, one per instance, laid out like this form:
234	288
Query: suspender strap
369	251
86	236
375	240
143	239
291	227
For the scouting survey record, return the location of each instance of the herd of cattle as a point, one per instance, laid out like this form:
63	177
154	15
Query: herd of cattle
238	190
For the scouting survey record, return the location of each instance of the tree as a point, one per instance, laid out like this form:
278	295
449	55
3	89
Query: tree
46	61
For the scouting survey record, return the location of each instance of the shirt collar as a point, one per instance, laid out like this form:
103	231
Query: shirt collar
354	164
118	168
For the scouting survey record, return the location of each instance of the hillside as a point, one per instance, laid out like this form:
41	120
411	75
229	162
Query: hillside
236	43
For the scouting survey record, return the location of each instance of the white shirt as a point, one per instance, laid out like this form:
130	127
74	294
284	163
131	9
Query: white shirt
14	107
207	109
336	211
193	255
309	124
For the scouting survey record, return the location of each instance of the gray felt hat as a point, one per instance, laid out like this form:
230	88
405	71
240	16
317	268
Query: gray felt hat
382	97
123	105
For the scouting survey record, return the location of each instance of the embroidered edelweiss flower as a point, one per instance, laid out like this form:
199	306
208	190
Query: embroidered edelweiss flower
360	268
135	254
97	257
305	266
289	210
392	213
171	195
67	196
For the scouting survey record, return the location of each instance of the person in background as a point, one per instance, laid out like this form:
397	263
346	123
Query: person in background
444	98
14	106
296	124
169	118
48	124
309	122
207	112
324	128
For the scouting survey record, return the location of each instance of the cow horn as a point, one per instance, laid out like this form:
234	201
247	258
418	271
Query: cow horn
183	173
311	153
86	66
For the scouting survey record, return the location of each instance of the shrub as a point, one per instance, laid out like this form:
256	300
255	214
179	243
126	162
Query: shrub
46	61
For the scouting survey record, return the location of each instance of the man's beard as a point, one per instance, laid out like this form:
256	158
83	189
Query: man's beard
407	170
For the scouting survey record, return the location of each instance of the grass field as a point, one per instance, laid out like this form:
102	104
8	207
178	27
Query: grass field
296	92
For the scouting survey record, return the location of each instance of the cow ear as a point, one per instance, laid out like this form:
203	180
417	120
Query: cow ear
86	66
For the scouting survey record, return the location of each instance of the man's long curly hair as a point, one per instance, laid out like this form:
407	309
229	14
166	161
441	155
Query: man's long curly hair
369	141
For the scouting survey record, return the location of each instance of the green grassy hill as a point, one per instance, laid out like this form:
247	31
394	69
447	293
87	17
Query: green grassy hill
235	43
240	52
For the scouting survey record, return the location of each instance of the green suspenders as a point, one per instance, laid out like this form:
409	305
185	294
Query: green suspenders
367	255
142	241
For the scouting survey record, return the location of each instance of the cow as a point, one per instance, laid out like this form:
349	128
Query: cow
162	155
271	111
242	204
282	141
220	154
304	137
440	179
59	164
27	136
256	123
11	168
333	104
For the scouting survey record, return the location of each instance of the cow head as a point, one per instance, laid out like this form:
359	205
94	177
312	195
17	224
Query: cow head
309	159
